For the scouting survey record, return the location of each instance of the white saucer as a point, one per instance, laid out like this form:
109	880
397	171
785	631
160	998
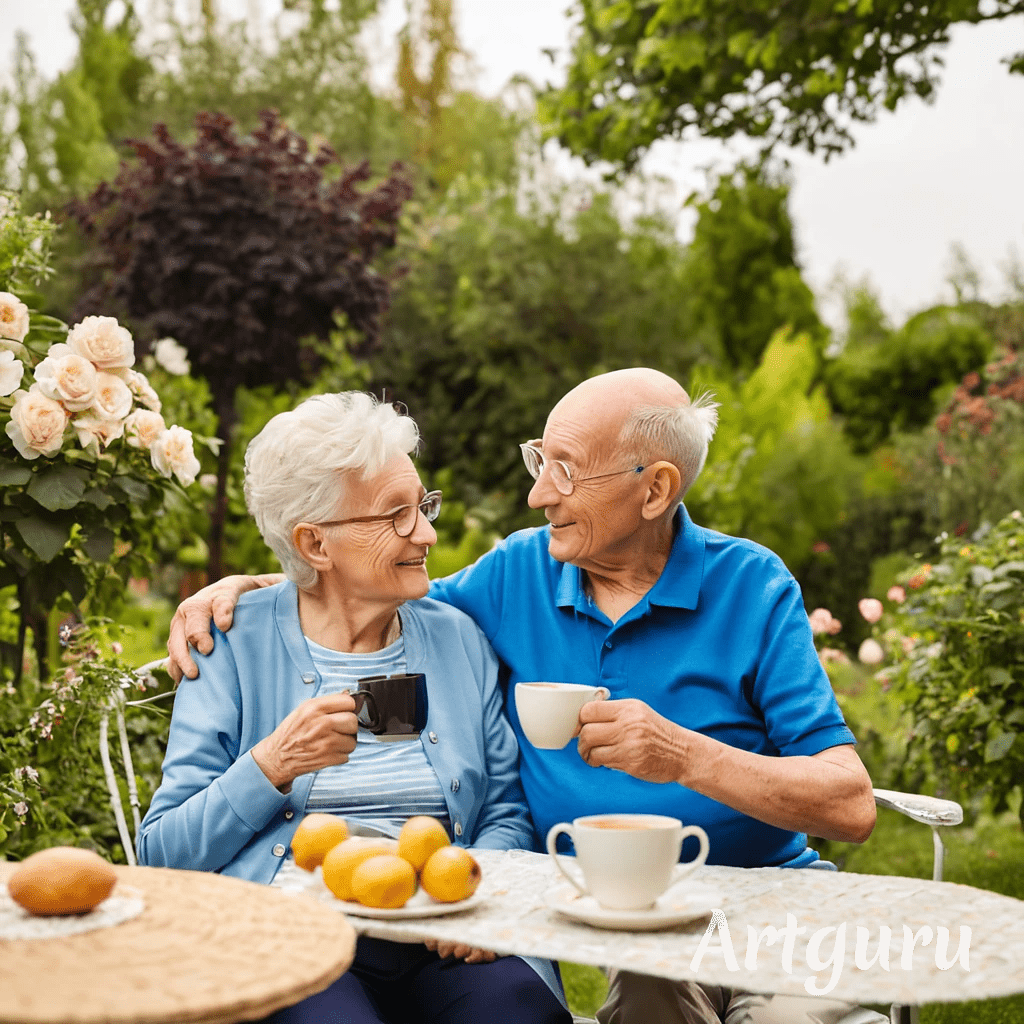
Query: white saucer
684	903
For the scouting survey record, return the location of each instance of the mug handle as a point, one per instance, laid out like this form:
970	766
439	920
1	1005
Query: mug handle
373	722
603	693
553	833
691	865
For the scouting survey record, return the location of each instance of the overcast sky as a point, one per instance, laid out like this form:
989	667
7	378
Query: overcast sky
917	182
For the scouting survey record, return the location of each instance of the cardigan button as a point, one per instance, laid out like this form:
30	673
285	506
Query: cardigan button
432	736
458	828
288	815
455	785
278	850
308	677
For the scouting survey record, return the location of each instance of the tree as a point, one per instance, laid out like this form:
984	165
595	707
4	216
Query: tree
743	271
798	74
891	384
240	249
508	303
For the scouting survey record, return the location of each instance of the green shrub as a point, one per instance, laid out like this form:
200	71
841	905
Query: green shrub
957	650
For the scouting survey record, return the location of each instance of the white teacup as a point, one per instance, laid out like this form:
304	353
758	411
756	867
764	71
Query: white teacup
627	860
548	712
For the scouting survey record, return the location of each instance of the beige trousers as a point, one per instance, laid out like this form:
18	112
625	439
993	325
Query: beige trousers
642	999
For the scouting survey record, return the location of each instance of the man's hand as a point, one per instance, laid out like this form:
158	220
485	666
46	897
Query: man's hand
630	736
320	732
191	622
460	952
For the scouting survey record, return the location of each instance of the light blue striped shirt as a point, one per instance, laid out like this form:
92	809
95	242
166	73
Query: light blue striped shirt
383	783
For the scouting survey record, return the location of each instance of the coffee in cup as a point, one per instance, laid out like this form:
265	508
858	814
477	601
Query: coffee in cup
549	712
627	860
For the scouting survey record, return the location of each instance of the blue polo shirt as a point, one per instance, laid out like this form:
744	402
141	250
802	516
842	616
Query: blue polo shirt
721	644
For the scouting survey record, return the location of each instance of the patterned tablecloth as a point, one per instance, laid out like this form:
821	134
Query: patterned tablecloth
828	906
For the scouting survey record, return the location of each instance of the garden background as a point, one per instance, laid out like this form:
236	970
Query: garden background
414	241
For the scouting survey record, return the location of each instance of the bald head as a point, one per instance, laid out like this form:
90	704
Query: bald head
609	399
646	416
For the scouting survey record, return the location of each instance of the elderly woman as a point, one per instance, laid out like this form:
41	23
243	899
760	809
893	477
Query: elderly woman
269	730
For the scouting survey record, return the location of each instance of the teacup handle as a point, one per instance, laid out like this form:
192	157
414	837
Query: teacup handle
553	833
365	700
691	865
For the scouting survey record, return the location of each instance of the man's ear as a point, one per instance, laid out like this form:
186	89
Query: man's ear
309	542
662	491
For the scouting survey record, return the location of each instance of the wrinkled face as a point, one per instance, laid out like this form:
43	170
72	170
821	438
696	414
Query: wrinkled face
374	563
593	524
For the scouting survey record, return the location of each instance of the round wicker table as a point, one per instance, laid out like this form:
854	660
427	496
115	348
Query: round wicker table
206	948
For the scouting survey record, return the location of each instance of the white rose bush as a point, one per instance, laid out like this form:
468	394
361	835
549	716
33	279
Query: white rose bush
87	461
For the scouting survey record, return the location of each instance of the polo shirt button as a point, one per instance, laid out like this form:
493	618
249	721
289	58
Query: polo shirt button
458	829
288	815
432	736
278	850
455	785
608	644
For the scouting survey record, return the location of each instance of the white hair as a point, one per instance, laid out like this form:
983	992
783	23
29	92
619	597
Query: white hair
680	434
295	467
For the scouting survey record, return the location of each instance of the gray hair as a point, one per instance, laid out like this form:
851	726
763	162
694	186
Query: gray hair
295	466
680	434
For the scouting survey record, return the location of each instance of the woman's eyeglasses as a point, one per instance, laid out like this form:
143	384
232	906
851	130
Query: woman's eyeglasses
403	518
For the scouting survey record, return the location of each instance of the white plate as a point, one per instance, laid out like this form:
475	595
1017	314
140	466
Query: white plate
420	905
685	903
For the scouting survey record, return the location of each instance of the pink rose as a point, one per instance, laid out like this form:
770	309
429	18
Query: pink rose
820	619
870	652
870	608
896	594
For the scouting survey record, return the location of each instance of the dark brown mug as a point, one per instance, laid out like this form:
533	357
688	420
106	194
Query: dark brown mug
392	707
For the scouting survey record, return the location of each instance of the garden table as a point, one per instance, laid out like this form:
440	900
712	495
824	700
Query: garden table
516	919
205	948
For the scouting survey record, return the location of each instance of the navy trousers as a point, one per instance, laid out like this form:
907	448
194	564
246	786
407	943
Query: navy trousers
405	983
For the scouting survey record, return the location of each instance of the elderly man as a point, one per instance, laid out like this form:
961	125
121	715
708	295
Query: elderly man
719	714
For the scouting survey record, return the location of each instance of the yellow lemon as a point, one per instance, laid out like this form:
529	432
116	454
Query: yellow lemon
61	880
385	881
450	874
315	837
419	838
341	861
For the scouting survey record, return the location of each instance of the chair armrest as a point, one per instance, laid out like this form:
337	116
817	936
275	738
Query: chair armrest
929	810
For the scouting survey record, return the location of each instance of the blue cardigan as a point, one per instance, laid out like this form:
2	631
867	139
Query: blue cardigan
215	810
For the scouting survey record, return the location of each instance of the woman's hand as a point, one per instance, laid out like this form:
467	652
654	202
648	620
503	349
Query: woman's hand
320	732
460	952
191	622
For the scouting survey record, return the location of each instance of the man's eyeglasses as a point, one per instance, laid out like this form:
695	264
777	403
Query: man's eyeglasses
561	475
403	518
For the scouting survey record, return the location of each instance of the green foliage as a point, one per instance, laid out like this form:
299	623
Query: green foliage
963	677
798	75
890	385
508	303
778	471
52	788
743	273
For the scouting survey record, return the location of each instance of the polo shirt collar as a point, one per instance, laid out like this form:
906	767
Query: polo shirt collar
678	586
